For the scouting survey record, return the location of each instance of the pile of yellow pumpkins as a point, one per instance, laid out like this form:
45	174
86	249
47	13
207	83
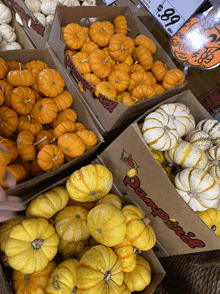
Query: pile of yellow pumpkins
38	128
99	240
189	153
117	66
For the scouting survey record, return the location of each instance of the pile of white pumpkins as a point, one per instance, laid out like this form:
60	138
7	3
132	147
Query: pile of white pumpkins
7	32
44	10
194	149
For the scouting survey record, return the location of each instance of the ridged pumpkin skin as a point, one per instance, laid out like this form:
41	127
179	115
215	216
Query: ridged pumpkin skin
47	204
71	249
211	218
32	283
31	245
4	162
140	277
90	183
125	251
111	199
99	271
71	224
106	224
139	234
5	229
124	289
63	278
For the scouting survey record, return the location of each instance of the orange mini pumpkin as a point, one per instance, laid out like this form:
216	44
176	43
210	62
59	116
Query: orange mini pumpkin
45	137
119	79
142	92
119	47
36	64
20	77
120	24
67	114
8	121
7	89
64	127
18	171
50	82
80	60
92	78
142	40
64	100
22	100
106	89
50	157
2	97
100	32
89	138
143	56
26	123
4	68
71	144
173	78
44	110
100	64
74	36
89	46
26	145
11	151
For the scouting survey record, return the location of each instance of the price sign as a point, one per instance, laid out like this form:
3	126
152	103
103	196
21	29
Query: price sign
171	14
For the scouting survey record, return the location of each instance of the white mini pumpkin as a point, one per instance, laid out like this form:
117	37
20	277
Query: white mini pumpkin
185	154
159	131
179	116
48	7
33	5
41	17
8	32
213	155
192	123
199	139
197	188
49	19
13	46
5	14
3	44
212	128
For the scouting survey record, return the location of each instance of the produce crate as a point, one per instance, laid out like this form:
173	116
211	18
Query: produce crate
84	115
111	114
153	190
158	272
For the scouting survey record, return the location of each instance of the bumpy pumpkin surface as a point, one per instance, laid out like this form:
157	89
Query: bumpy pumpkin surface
111	199
106	224
90	183
31	245
211	218
47	204
99	271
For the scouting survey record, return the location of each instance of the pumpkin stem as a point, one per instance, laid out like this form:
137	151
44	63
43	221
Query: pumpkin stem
105	60
128	30
117	80
41	140
137	251
27	277
20	66
146	221
84	60
136	101
107	277
213	228
29	118
136	62
123	47
27	100
103	30
37	243
52	141
76	36
1	119
55	158
74	290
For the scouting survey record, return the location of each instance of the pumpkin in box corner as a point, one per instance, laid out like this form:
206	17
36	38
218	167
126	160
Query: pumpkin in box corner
211	218
90	183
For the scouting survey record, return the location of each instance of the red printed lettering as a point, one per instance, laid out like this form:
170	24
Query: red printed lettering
132	182
107	103
159	212
193	243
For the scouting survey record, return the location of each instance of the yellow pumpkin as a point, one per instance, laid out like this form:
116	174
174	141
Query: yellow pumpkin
47	204
99	271
138	232
90	183
211	218
31	245
63	278
111	199
71	249
140	277
30	283
106	224
71	224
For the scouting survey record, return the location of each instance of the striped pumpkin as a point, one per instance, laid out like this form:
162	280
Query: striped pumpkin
159	131
213	155
179	116
199	139
197	188
192	123
211	127
185	154
211	218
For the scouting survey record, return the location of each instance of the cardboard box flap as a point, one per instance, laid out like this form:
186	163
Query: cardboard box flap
83	115
154	192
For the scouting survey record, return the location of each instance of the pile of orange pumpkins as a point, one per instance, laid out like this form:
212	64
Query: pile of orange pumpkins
117	66
38	129
98	239
189	153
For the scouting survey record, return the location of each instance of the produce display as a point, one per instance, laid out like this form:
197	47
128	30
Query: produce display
7	32
117	66
38	129
61	245
189	153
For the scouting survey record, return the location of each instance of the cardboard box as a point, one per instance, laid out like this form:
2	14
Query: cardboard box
111	114
85	116
21	36
158	272
153	190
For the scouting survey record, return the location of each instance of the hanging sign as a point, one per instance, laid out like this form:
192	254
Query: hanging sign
197	43
171	14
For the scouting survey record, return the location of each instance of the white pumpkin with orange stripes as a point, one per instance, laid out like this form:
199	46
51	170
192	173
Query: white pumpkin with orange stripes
197	188
200	139
159	131
213	155
212	128
179	116
192	123
185	154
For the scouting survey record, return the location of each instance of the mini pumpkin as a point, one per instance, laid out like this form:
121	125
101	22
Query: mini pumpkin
118	47
120	24
88	47
119	79
211	218
21	77
18	171
50	82
33	64
26	123
89	138
8	121
11	151
200	139
63	128
173	78
44	137
111	199
144	57
74	36
44	110
26	145
142	92
67	114
99	63
92	79
100	32
22	100
4	68
212	128
64	100
81	62
142	40
50	157
159	69
213	155
71	144
90	183
31	234
106	89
